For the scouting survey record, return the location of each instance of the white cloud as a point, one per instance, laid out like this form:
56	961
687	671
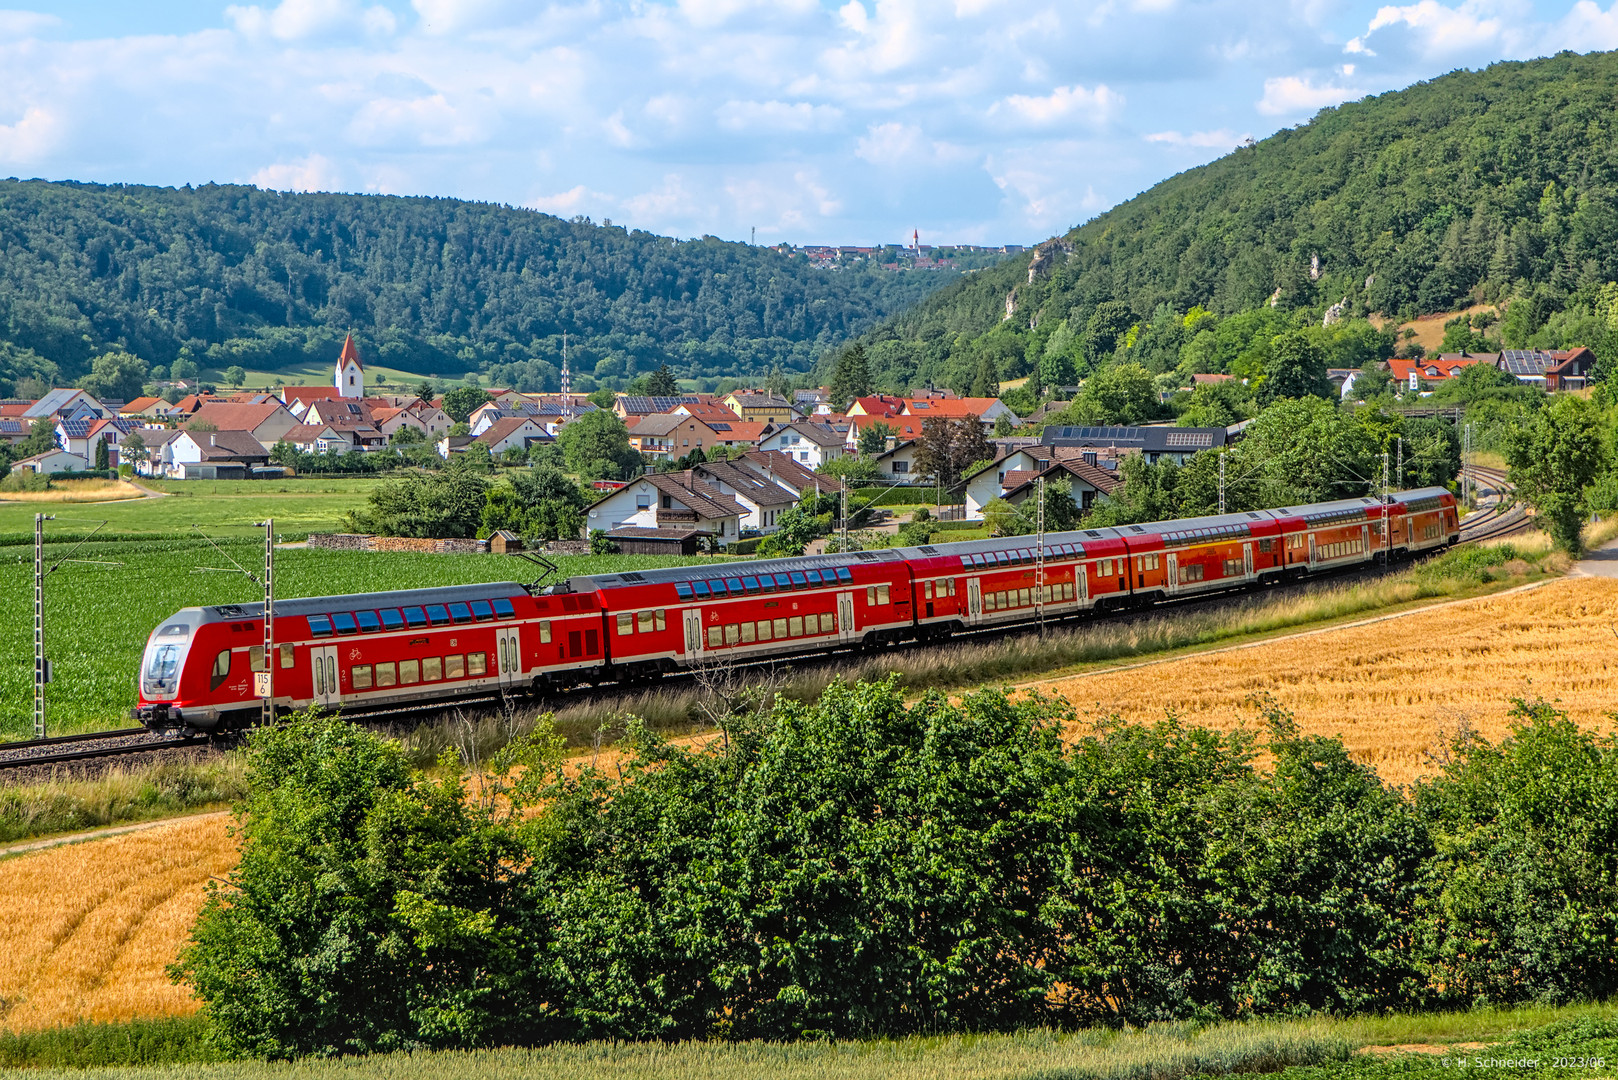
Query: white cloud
16	24
1585	27
777	116
854	16
313	173
1063	103
429	121
1293	95
30	139
1223	138
570	203
293	20
1442	29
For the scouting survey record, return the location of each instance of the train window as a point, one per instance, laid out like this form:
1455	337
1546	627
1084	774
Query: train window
255	658
682	590
386	674
733	633
747	633
870	596
843	574
750	584
701	589
798	580
1024	597
780	627
432	669
734	585
286	656
477	663
882	594
1266	545
714	637
503	608
409	672
1026	555
626	623
717	588
828	624
343	622
764	629
455	667
437	614
359	676
460	613
927	590
661	616
795	626
415	616
544	631
643	620
391	619
481	611
950	582
766	583
221	670
369	623
813	577
319	626
783	581
1191	572
320	674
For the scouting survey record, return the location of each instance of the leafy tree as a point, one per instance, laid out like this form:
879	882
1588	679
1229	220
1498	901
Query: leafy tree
1105	329
1004	519
852	378
133	450
184	366
946	447
1119	394
1372	381
1554	459
873	439
235	375
371	910
460	403
434	505
986	380
1296	368
1432	456
544	504
115	376
661	383
794	529
405	435
862	470
1003	427
41	439
596	447
103	460
602	399
601	543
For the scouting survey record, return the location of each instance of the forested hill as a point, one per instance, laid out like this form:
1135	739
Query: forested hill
1476	186
237	275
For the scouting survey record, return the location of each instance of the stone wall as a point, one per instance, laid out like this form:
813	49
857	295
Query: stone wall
358	542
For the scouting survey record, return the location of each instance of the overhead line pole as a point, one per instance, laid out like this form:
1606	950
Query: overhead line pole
41	669
1039	554
267	691
1221	481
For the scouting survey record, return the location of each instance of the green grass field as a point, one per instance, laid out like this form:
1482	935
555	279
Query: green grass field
1317	1048
98	616
300	505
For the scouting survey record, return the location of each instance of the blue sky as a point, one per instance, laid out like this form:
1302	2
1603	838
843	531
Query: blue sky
842	121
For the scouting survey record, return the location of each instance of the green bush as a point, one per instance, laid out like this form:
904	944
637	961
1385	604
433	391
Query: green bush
131	1043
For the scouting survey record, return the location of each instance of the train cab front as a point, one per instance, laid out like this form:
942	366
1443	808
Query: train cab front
162	670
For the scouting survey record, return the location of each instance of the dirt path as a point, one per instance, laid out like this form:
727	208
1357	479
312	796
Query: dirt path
99	834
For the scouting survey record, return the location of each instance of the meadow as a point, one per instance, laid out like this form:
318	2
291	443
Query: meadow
300	505
99	611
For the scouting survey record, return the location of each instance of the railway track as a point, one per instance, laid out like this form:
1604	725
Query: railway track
90	746
1500	512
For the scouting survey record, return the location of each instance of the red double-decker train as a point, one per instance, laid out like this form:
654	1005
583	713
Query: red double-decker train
426	647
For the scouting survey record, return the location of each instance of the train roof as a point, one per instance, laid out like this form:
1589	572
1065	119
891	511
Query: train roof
322	605
709	571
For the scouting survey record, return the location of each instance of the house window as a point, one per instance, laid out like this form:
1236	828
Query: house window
901	467
643	502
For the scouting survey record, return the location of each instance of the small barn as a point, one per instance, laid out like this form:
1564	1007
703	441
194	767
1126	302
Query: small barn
504	542
640	541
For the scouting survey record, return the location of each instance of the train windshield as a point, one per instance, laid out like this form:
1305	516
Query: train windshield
165	654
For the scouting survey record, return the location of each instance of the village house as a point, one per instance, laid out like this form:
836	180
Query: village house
762	500
770	408
1176	444
51	461
671	435
628	406
897	464
267	422
1089	483
668	501
512	433
1556	370
987	410
216	455
809	444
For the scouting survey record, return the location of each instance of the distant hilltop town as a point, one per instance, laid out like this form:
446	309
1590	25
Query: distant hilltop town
914	256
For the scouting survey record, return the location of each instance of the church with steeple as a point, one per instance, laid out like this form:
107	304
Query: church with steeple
350	372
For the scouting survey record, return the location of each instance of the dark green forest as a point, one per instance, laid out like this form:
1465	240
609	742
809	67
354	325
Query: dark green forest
1497	186
231	275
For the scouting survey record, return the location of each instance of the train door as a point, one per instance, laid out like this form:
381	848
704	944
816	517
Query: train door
1081	584
1365	539
845	617
1311	551
974	601
1247	559
323	674
509	656
693	634
1172	581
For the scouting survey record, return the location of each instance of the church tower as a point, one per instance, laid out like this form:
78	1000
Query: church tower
350	372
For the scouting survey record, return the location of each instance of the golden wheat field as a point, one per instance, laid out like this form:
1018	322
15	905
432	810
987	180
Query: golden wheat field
91	926
1391	687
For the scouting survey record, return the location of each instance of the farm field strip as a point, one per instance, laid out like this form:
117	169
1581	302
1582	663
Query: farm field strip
1391	686
94	924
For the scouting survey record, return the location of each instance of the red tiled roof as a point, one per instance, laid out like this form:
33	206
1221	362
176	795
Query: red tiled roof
349	353
290	394
229	416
